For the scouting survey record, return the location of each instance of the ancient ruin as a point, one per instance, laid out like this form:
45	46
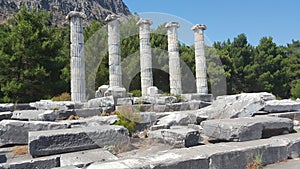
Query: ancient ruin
116	130
145	55
78	84
115	69
201	74
174	60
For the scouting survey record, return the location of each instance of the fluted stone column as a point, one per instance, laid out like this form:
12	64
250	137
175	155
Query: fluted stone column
174	60
145	55
78	84
115	69
201	76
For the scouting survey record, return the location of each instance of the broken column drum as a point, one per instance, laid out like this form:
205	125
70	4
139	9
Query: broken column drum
174	60
78	84
145	55
115	69
201	75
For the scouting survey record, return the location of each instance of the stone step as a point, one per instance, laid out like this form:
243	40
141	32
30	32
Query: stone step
84	158
177	136
235	106
13	132
274	106
244	129
234	155
52	142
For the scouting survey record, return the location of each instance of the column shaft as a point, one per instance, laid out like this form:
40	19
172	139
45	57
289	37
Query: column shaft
78	84
200	59
145	55
115	69
174	60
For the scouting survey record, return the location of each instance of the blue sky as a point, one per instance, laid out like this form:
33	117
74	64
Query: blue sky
279	19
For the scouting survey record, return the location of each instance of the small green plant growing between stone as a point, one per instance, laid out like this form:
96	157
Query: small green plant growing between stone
178	96
128	119
256	163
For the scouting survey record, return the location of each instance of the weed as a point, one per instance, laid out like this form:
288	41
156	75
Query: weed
178	96
256	163
62	97
128	119
20	150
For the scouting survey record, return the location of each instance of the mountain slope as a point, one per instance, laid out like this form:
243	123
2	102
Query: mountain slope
94	9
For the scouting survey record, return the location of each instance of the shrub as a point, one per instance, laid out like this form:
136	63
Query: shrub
295	91
62	97
136	93
128	119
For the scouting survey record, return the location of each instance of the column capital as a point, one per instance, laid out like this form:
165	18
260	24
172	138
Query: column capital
111	17
144	21
76	14
172	24
199	26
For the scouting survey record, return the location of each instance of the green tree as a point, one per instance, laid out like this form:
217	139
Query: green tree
31	58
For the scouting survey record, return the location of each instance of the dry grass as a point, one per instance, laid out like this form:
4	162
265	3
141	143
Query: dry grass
254	165
256	162
72	117
20	150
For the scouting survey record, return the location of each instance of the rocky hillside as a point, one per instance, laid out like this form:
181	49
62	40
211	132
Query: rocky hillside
94	9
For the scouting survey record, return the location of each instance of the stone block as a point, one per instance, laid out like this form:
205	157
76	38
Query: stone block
244	129
116	92
274	106
152	91
124	101
23	106
101	90
235	106
160	108
290	115
159	126
42	143
55	105
214	156
65	114
27	114
100	120
6	107
48	115
198	97
100	102
179	118
67	167
196	127
16	132
43	163
84	158
166	99
5	115
143	107
177	136
175	159
88	112
194	105
174	106
147	120
204	104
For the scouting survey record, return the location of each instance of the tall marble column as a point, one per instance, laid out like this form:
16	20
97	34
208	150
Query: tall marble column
115	69
174	60
78	84
145	55
201	76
